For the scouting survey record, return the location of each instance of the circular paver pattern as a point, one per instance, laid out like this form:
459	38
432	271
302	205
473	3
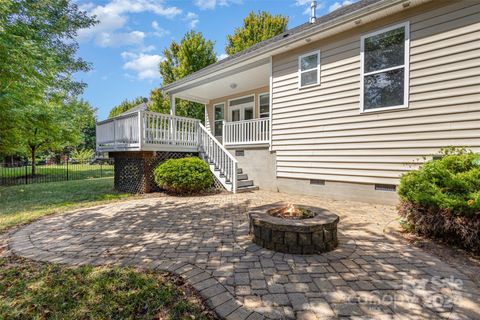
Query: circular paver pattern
206	241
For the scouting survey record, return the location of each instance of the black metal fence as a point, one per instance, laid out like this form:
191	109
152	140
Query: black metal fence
15	173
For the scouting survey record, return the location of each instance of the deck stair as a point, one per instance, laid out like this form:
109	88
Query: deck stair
222	163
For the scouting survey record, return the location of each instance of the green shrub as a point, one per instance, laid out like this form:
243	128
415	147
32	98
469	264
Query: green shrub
82	155
451	183
442	198
184	176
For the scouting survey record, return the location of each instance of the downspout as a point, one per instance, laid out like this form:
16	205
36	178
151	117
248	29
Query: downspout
270	97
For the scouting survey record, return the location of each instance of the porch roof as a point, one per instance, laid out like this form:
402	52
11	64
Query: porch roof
238	80
213	81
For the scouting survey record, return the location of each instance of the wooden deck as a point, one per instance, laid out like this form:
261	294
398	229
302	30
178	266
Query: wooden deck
148	131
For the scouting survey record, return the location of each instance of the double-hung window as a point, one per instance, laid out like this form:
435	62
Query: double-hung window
309	69
219	114
264	104
385	68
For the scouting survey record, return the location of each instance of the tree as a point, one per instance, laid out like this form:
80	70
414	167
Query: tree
86	122
193	53
125	105
51	125
158	102
37	59
256	28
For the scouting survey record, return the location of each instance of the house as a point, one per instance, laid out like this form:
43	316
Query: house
340	106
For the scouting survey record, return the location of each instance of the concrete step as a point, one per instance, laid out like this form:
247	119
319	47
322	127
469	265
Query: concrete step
246	189
242	176
244	183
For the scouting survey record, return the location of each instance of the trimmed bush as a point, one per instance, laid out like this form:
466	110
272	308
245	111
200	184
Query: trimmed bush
184	176
442	199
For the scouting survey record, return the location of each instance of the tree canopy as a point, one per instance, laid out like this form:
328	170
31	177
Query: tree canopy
54	125
37	61
125	105
256	28
193	53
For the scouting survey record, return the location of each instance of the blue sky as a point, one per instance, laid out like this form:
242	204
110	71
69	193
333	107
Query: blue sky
126	46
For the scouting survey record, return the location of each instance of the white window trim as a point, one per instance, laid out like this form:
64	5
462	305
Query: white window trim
269	105
241	105
215	118
300	71
406	66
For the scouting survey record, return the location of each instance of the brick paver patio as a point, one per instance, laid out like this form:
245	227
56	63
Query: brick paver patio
205	240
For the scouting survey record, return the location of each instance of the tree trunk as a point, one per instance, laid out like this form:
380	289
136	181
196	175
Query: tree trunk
33	149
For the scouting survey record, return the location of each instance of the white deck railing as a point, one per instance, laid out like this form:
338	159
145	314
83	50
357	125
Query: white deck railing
164	129
255	131
118	133
145	130
219	157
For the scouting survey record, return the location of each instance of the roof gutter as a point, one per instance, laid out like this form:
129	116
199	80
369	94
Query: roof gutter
354	17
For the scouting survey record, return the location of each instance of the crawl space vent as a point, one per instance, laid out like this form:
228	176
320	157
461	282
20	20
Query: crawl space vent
386	187
317	182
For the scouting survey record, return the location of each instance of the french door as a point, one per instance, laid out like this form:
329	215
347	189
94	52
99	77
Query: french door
241	112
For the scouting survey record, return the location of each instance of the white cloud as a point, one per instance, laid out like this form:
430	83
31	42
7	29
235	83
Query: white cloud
302	2
206	4
113	16
145	66
192	19
222	56
338	5
211	4
159	31
118	39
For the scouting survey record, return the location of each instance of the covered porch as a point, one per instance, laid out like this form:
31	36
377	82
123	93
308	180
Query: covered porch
237	103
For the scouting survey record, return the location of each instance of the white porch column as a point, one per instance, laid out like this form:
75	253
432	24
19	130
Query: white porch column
173	124
173	109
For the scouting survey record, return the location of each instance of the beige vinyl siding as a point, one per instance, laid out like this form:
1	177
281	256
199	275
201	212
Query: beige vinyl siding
210	116
320	132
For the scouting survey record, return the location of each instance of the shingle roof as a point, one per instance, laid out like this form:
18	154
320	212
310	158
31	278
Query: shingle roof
320	20
289	33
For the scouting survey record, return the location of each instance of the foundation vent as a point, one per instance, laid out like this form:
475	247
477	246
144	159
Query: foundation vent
317	182
240	153
386	187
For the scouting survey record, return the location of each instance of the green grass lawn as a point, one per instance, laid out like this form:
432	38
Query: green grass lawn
32	290
23	203
76	171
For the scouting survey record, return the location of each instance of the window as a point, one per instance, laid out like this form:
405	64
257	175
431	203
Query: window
384	70
264	104
309	69
219	117
243	100
242	108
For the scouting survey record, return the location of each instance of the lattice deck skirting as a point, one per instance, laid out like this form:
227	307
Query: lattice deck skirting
134	170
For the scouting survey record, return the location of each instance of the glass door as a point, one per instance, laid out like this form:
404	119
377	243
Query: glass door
242	109
241	112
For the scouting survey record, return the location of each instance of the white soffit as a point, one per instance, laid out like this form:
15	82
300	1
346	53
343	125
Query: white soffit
245	80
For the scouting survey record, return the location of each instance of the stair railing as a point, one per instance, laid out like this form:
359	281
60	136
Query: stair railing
223	160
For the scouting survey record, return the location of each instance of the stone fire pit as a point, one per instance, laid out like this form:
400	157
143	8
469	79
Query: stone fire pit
313	231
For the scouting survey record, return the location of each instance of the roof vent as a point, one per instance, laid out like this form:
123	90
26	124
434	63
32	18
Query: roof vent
313	12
